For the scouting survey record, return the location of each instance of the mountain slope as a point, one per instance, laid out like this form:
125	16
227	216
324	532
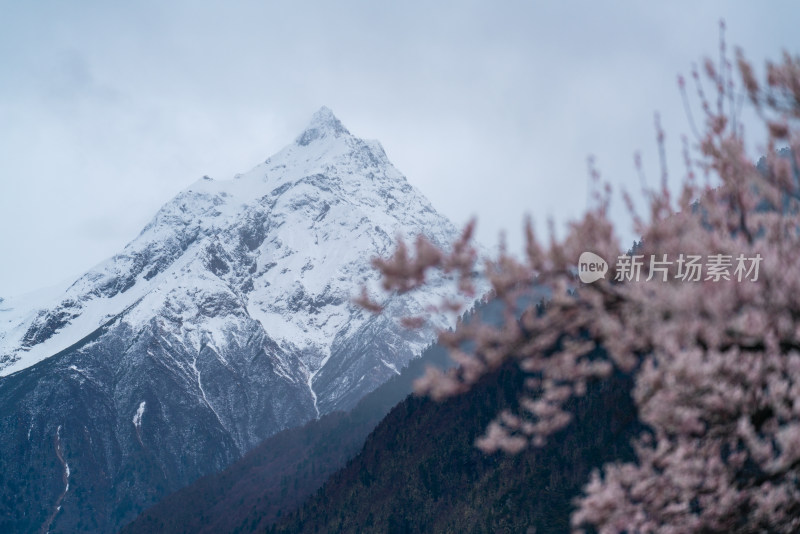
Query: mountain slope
226	320
285	469
419	470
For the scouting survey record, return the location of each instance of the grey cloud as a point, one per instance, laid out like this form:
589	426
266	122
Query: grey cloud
109	109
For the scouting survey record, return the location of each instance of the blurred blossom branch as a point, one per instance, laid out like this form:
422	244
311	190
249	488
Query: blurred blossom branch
716	364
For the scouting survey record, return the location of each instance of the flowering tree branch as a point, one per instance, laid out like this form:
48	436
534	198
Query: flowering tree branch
716	360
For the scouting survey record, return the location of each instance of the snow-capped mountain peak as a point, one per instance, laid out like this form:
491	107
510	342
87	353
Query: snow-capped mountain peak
228	318
287	244
323	124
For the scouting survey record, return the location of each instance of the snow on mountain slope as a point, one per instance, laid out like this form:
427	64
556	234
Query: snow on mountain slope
291	238
227	319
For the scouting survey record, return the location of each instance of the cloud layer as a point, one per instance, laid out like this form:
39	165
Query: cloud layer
106	111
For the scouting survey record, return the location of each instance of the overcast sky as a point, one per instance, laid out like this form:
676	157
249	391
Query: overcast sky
108	109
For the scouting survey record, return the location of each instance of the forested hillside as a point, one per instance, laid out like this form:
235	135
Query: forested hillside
420	471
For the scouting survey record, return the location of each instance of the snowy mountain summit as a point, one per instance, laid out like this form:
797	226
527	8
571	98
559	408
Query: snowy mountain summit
228	318
322	124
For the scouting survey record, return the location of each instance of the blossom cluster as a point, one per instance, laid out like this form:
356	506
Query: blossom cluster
716	363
